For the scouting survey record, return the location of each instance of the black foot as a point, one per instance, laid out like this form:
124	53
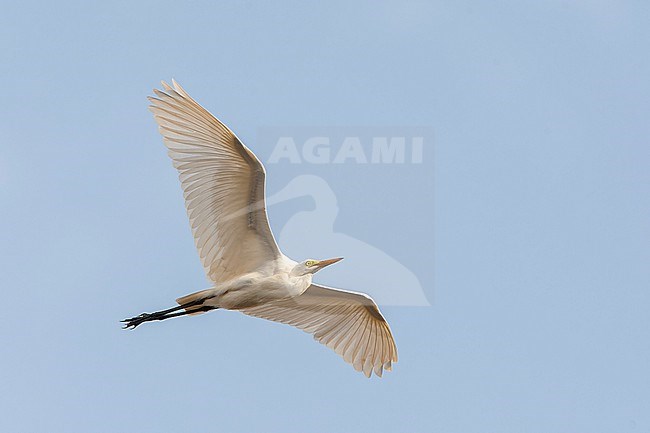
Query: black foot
133	322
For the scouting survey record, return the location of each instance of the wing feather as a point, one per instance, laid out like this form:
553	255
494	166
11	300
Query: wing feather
223	185
347	322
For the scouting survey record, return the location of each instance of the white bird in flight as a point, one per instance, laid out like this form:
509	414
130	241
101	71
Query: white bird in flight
223	184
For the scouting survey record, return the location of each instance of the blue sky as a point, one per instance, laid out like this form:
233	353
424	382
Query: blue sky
526	223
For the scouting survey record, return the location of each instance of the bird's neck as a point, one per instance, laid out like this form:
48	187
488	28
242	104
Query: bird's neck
301	283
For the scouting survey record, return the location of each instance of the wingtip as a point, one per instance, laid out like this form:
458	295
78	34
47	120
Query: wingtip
367	367
179	89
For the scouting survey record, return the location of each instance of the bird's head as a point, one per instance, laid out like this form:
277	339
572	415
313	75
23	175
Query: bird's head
312	266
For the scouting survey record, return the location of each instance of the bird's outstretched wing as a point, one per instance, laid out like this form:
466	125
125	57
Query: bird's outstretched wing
347	322
223	186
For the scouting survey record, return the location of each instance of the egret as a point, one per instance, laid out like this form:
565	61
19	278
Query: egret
223	185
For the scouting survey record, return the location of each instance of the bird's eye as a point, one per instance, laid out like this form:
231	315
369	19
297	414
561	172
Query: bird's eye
309	263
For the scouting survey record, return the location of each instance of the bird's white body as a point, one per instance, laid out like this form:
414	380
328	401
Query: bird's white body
274	281
224	189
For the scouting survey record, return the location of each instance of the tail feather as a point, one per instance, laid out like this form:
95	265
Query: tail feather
194	298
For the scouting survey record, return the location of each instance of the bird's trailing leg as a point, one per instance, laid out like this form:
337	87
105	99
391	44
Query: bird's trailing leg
133	322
